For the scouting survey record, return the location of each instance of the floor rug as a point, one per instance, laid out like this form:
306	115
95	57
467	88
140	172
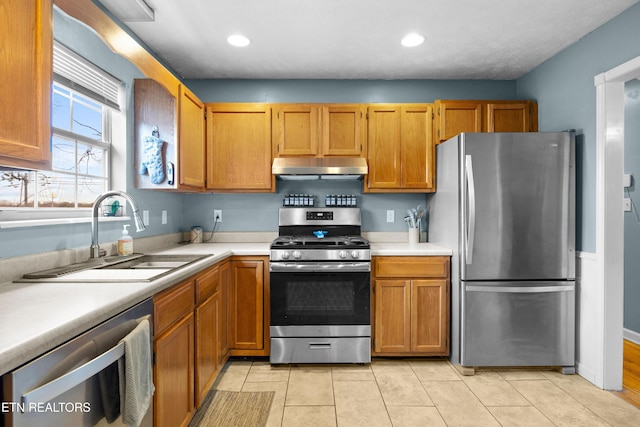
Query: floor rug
233	409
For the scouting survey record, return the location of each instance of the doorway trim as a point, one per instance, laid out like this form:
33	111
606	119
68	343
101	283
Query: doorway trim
610	219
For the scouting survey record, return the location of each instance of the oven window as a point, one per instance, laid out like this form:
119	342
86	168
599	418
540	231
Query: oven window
319	299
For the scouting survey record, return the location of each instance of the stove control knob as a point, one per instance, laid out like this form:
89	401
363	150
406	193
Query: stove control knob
297	254
343	254
285	255
355	254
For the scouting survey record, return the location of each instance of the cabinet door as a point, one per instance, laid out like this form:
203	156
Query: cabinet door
417	147
343	130
511	117
392	316
455	117
239	147
223	314
191	142
206	346
174	373
296	130
27	60
384	146
246	305
430	316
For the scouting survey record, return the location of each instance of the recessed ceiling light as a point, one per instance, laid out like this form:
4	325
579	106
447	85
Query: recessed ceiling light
238	40
412	40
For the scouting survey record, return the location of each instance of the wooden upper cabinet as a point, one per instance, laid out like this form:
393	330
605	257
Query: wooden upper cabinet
344	130
511	117
455	117
296	130
27	57
416	153
400	148
319	130
191	141
239	148
383	149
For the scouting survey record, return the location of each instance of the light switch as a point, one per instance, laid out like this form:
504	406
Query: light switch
145	217
164	216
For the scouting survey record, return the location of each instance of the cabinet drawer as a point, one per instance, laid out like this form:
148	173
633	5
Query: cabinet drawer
427	266
207	284
171	305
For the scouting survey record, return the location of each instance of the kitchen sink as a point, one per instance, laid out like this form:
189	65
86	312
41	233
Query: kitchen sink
130	268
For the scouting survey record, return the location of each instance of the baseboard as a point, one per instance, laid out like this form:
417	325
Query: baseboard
630	335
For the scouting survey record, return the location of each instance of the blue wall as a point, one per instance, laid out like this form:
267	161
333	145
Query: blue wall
563	87
345	91
632	219
566	95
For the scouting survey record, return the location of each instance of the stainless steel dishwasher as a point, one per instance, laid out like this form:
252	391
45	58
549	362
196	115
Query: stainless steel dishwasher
74	384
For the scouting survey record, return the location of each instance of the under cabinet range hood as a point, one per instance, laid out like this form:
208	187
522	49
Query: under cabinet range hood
315	168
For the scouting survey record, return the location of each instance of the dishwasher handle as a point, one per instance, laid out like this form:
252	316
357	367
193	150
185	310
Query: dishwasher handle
66	382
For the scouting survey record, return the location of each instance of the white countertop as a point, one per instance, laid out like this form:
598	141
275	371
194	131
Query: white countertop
37	317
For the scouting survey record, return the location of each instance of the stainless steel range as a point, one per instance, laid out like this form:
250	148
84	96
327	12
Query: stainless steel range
320	288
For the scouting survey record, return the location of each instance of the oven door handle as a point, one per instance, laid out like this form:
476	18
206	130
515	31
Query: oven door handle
319	267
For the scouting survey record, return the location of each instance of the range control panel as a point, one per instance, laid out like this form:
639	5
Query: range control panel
319	216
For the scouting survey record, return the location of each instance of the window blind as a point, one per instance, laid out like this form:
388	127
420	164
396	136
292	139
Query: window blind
79	74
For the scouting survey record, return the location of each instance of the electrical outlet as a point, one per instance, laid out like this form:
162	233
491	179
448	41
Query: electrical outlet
391	216
217	215
164	216
626	203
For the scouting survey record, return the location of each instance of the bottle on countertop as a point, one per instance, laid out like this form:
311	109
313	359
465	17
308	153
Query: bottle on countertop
125	243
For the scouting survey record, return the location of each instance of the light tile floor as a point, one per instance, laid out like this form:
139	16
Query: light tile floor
424	392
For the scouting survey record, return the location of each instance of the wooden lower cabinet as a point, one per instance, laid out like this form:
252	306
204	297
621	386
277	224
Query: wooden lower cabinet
249	306
207	317
223	313
411	306
174	356
190	343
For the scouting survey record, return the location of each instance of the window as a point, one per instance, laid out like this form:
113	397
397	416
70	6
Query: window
83	98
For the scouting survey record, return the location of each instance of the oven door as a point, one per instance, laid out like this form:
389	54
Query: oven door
320	294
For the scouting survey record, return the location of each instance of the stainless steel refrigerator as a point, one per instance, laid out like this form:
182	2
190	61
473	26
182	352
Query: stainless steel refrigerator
505	204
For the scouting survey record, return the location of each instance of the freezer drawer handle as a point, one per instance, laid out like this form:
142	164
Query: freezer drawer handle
471	186
66	382
521	290
319	346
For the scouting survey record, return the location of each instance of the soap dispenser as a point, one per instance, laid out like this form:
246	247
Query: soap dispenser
125	243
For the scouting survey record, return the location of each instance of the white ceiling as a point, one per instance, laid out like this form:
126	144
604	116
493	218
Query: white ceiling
360	39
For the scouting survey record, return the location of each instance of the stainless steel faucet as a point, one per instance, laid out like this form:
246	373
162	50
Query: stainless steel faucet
94	251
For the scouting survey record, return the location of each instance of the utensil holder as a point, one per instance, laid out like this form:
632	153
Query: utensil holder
414	236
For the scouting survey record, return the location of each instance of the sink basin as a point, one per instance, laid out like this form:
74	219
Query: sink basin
155	261
132	268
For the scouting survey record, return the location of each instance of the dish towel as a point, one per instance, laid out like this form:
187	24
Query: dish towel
136	377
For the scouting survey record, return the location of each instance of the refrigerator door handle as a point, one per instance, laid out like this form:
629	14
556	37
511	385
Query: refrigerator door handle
521	289
471	194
